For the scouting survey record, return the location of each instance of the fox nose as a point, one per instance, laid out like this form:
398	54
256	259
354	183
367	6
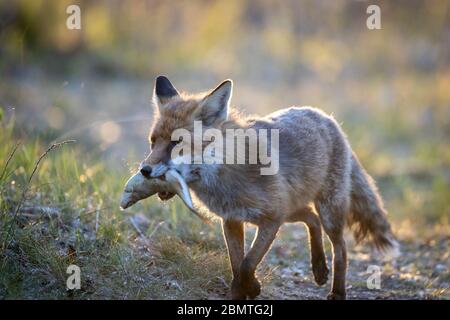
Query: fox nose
146	171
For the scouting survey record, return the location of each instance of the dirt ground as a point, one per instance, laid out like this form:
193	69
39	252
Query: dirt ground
420	272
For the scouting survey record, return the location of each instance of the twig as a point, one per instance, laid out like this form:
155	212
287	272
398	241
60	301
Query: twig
53	146
154	230
139	231
142	235
11	155
95	210
26	188
97	216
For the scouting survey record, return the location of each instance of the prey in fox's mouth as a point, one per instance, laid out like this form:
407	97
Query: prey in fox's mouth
141	186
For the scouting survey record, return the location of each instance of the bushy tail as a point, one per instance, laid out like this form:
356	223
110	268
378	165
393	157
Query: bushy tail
368	216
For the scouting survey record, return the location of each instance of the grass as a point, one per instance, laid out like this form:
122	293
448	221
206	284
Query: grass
59	206
388	88
62	210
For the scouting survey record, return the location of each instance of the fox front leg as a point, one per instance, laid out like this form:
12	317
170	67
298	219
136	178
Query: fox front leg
248	285
233	232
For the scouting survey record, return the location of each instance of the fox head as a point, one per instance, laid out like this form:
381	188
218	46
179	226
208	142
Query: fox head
175	110
186	156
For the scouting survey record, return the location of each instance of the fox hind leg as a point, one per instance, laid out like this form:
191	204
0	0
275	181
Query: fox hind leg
318	258
333	217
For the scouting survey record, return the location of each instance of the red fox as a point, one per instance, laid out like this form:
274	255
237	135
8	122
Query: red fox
320	182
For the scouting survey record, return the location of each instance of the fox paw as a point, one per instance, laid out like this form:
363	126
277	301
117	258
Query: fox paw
250	288
253	288
336	296
237	295
320	272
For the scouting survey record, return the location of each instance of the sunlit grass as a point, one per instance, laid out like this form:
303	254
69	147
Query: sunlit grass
70	215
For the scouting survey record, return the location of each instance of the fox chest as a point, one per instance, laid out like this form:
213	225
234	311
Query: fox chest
228	206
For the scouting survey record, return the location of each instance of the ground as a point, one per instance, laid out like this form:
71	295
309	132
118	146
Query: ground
60	211
64	210
416	274
388	89
154	264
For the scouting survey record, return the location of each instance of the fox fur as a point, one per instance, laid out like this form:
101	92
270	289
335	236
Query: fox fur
320	183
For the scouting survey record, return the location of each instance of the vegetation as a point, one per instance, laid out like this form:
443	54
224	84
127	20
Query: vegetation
69	215
388	88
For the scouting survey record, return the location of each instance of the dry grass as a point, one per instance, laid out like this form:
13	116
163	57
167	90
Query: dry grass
50	218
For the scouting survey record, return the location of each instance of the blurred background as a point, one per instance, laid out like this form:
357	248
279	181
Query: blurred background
389	88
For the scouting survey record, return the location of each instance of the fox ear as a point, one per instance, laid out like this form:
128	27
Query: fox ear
214	107
164	90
